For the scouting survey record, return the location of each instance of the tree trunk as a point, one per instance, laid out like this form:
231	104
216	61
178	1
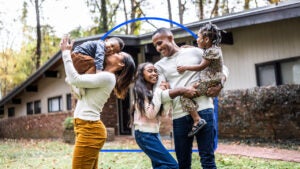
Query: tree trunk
103	18
225	7
126	18
180	12
215	11
246	5
136	12
201	14
170	13
38	51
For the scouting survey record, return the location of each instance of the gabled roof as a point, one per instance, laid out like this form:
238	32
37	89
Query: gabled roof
286	10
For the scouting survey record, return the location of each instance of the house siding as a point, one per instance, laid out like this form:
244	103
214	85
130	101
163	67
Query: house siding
47	88
258	44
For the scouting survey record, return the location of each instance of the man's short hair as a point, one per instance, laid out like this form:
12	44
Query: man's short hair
163	30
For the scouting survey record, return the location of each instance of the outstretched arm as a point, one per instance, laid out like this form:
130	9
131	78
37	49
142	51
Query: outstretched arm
204	63
85	80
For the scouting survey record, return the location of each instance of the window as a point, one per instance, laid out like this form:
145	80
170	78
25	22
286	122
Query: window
11	112
1	111
69	101
34	107
278	72
55	104
37	107
29	108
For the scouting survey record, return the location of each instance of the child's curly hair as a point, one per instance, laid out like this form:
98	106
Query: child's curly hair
212	32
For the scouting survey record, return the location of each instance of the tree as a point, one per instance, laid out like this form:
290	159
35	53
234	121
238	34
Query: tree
246	4
215	10
37	6
99	10
10	75
181	10
136	12
38	51
170	13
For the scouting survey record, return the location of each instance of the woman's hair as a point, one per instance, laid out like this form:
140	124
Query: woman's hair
124	76
141	92
212	32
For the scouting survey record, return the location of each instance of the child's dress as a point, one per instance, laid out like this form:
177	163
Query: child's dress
210	76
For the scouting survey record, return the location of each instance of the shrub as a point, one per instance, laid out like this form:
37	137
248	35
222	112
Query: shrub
69	123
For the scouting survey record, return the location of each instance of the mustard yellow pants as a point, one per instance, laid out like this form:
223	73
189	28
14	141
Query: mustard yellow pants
90	138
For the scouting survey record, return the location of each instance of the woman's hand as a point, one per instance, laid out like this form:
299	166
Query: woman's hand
66	44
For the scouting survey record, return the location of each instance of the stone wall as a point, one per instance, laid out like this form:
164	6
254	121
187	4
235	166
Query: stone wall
261	113
34	126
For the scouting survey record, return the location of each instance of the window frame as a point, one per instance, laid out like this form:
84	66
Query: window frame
69	101
29	108
37	107
59	104
11	112
277	70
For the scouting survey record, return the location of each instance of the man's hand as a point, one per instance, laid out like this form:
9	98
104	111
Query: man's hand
190	92
214	91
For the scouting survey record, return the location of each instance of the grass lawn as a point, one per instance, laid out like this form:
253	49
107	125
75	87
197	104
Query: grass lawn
55	154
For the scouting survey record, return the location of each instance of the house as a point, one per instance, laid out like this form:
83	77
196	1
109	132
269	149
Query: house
261	47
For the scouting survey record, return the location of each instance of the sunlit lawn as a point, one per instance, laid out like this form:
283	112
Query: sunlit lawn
55	154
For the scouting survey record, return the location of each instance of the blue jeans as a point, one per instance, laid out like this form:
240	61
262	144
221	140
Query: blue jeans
205	140
151	144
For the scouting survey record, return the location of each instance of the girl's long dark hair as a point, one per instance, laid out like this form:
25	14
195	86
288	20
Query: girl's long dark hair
124	76
140	91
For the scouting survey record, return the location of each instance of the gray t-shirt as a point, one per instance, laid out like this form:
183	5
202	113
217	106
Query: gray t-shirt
167	68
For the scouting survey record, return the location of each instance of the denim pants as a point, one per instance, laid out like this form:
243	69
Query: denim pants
151	144
205	140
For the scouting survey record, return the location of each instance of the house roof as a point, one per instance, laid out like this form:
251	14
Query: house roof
286	10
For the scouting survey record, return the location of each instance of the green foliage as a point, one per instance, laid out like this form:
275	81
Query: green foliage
69	123
10	74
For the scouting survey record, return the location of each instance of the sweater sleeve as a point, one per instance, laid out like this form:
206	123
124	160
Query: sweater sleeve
152	109
165	97
85	80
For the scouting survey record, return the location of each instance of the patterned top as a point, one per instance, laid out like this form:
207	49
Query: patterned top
214	70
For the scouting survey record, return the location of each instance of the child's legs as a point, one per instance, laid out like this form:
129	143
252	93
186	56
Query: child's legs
83	63
195	116
190	106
